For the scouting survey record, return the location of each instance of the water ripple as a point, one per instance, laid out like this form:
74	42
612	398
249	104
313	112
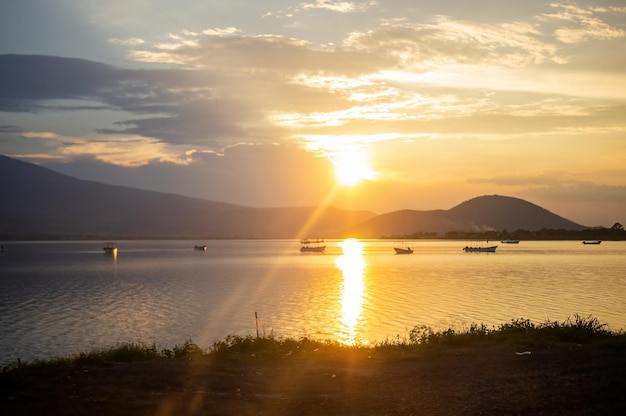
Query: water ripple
164	292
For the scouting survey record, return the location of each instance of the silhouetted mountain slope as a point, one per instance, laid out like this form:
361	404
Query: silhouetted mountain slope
502	212
480	214
38	202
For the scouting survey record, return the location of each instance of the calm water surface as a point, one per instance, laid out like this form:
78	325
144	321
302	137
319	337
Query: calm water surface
58	298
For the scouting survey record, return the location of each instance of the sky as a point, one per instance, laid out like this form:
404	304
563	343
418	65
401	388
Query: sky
371	105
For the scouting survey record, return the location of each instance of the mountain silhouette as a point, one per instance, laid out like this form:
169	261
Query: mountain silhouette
40	203
501	212
480	214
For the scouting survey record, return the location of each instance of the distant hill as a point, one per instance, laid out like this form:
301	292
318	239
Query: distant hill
40	203
484	213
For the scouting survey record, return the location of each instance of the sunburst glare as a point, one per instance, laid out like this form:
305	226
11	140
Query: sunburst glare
352	167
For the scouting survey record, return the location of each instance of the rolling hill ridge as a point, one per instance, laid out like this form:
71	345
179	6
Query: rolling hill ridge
477	215
40	203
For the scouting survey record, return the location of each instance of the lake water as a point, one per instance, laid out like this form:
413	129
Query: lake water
58	298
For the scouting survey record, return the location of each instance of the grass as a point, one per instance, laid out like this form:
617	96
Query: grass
520	332
121	353
576	367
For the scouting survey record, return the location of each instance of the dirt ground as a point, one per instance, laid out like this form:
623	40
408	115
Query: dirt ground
576	380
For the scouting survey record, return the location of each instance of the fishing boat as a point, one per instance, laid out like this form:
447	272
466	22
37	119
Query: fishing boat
403	248
200	247
109	248
480	249
592	241
312	246
510	241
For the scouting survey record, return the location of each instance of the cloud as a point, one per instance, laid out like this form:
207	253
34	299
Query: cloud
125	150
262	56
178	106
127	42
583	23
334	6
9	129
329	81
520	180
399	80
220	32
207	123
424	47
120	150
338	6
25	79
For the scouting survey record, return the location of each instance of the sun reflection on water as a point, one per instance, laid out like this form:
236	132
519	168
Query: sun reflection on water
352	265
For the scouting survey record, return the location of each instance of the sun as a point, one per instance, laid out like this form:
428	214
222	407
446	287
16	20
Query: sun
352	167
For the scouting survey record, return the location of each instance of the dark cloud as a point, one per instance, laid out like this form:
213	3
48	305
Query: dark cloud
225	102
27	78
207	123
176	105
10	129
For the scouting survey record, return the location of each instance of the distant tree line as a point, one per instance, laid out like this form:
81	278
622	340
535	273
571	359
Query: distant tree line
615	233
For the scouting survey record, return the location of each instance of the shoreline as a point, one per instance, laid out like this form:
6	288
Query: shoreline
572	368
569	379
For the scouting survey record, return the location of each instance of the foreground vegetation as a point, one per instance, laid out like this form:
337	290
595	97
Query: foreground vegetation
576	367
518	332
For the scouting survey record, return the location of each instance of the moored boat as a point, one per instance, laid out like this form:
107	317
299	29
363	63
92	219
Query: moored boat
109	248
403	248
510	241
488	249
201	247
315	246
592	241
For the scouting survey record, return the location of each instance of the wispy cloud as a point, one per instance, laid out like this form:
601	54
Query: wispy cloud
584	23
127	42
121	150
425	47
338	6
400	78
334	6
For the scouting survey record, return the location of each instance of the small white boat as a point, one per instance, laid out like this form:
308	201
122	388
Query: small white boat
488	249
200	247
109	248
316	246
403	248
592	242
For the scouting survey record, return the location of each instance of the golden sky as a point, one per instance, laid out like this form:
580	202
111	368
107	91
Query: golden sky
374	105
